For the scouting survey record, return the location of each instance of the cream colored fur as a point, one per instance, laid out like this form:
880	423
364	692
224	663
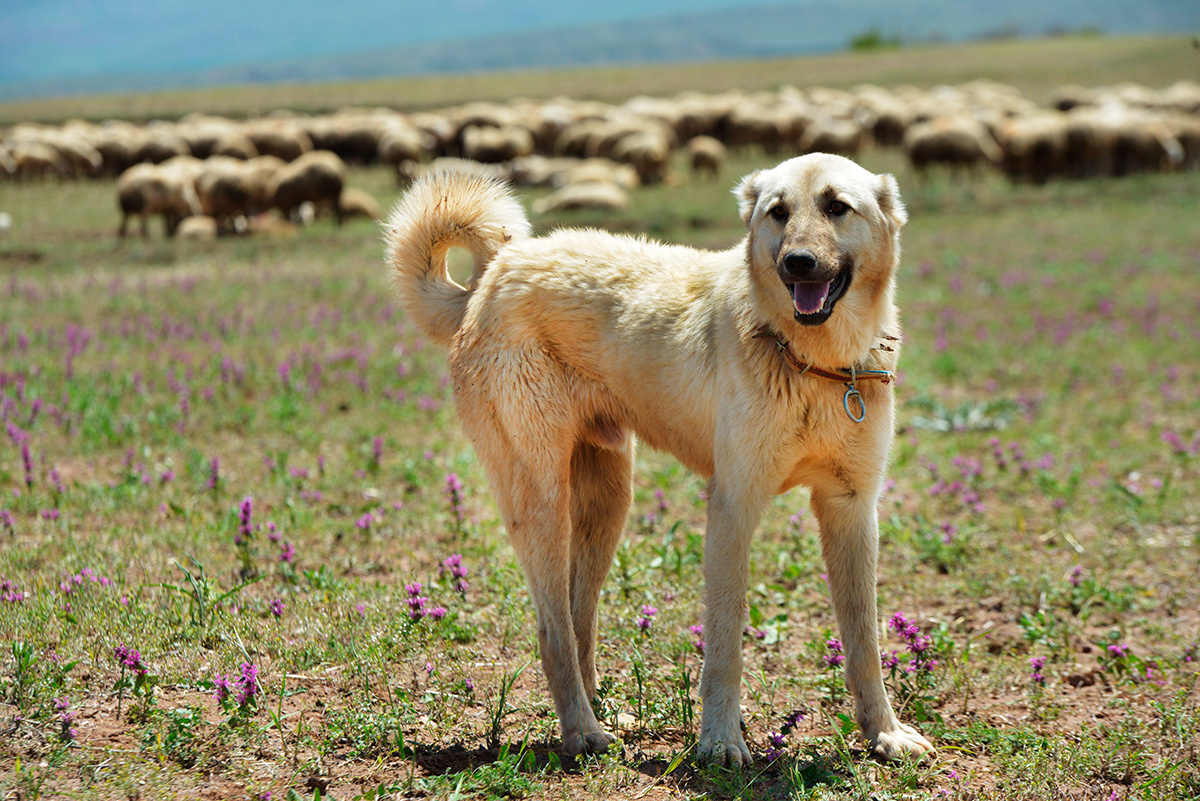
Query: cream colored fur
566	347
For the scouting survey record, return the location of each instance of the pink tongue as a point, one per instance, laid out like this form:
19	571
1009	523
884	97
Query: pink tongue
810	298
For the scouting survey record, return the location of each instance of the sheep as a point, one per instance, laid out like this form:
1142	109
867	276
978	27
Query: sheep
956	141
316	177
146	189
223	191
117	145
401	142
648	152
284	139
603	196
197	229
596	171
257	175
707	154
357	203
410	171
36	160
496	145
352	137
831	135
159	143
8	166
1035	147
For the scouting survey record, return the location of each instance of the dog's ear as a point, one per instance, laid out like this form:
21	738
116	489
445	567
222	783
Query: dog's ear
888	195
747	192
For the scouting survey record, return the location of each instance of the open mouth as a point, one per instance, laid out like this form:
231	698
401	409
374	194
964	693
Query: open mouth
813	302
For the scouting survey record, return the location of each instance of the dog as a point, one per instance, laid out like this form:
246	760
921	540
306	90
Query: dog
761	367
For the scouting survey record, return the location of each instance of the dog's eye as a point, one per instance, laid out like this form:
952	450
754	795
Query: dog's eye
837	208
778	213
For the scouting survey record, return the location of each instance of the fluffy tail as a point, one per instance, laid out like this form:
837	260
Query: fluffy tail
446	209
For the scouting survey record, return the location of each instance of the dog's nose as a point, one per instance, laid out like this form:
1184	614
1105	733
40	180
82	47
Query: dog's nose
800	263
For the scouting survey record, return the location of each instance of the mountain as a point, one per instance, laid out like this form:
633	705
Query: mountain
63	47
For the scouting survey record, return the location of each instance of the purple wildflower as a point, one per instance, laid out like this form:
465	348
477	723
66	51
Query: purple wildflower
791	720
287	552
247	684
222	689
214	473
245	518
835	658
647	618
454	488
130	658
1036	664
698	632
27	461
452	565
276	607
66	716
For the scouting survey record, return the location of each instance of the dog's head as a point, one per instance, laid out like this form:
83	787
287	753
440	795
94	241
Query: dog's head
824	241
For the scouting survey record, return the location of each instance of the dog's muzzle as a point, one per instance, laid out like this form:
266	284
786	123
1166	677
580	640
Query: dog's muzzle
814	288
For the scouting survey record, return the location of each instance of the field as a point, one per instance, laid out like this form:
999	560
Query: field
245	551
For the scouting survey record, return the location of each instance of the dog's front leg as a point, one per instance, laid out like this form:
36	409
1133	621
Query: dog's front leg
850	545
733	513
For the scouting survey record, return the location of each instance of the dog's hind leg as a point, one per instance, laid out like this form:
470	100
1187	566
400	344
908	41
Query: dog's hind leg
850	545
601	493
531	487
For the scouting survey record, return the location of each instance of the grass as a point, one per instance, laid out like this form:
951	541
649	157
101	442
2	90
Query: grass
1036	66
1043	506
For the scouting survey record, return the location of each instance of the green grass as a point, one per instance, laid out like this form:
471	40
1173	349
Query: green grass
1041	508
1036	66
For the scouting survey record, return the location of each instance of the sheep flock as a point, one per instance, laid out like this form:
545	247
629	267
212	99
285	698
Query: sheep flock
206	175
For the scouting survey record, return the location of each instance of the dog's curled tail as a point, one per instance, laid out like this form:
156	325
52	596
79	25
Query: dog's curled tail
446	209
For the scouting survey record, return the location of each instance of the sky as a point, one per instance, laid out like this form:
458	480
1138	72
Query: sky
42	39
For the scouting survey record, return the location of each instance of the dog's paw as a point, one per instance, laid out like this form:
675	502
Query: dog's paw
592	742
899	743
732	752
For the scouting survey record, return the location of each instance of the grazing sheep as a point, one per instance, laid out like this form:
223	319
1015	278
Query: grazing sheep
401	142
707	155
956	141
603	196
146	189
1035	147
223	191
352	137
596	171
197	229
234	144
284	139
830	135
316	177
8	165
496	145
159	143
36	161
117	145
411	171
358	203
648	152
257	174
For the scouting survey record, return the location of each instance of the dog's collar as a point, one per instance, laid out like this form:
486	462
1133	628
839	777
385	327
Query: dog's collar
850	376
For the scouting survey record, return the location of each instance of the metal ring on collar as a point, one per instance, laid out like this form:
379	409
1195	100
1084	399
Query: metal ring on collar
851	391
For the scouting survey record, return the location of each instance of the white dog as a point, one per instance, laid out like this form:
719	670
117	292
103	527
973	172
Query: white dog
761	367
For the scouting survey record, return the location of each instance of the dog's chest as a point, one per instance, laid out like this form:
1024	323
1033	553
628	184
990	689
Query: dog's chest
818	430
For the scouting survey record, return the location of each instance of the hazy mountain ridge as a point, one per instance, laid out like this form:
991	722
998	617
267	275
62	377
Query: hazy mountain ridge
806	26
